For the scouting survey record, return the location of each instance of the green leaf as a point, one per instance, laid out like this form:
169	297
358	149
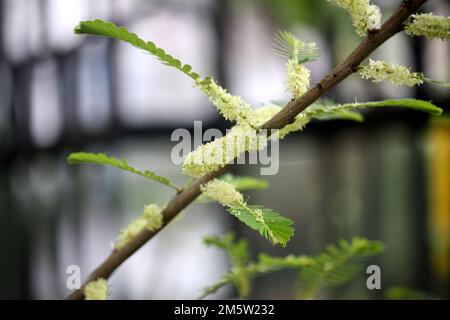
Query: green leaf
289	47
109	29
225	280
270	224
187	68
415	104
238	252
242	183
333	267
103	159
270	263
336	266
236	249
326	108
403	293
443	84
341	115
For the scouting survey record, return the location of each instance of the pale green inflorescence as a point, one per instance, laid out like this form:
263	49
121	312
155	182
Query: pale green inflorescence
365	16
233	108
223	192
216	154
96	290
243	137
430	26
398	75
240	139
298	76
151	218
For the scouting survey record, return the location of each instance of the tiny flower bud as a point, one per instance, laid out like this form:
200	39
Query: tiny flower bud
223	192
151	219
297	81
96	290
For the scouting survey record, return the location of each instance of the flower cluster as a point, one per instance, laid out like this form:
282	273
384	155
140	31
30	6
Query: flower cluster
365	16
243	137
216	154
430	26
298	52
398	75
151	219
233	108
240	139
223	192
297	81
153	216
96	290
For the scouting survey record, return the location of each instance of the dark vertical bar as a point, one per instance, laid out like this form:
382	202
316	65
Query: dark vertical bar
21	115
423	266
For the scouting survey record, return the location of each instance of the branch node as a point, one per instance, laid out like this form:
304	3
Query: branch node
354	68
373	32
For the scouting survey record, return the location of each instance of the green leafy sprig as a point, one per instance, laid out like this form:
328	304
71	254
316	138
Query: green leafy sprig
103	159
108	29
336	266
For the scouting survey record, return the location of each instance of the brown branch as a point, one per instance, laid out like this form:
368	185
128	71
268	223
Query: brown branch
182	199
177	204
375	39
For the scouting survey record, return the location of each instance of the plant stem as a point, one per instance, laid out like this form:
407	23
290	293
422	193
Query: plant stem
350	65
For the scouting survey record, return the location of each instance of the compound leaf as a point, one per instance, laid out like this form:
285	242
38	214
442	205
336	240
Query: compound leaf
103	159
270	224
108	29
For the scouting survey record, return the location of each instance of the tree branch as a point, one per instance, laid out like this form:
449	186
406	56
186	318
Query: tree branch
350	65
182	199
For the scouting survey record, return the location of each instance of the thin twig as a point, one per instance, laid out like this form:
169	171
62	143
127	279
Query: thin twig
376	38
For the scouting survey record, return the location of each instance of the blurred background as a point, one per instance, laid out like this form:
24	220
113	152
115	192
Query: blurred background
386	179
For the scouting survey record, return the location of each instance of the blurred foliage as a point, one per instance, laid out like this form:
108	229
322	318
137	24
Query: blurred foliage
403	293
290	12
323	16
334	267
